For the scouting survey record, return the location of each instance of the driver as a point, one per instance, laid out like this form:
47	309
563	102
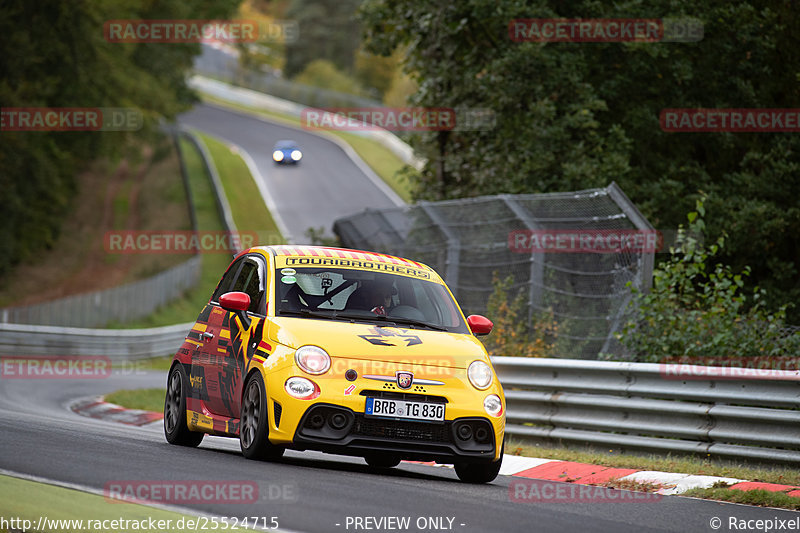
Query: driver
379	295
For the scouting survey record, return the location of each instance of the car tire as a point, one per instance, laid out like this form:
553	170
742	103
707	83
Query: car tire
175	428
479	472
254	422
382	460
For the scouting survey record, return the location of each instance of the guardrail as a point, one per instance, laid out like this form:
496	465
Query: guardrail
121	304
220	198
716	411
123	344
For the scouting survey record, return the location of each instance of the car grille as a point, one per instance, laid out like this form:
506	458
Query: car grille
402	430
410	397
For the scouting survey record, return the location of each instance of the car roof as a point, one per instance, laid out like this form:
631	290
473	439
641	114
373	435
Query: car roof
285	144
340	253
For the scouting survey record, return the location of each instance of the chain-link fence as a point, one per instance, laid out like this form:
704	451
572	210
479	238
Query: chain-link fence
118	304
567	252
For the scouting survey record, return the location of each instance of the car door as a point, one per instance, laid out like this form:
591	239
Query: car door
232	348
206	333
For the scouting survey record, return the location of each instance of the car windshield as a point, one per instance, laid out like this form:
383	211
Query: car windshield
375	297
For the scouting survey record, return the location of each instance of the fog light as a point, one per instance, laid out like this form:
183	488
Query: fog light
493	405
301	388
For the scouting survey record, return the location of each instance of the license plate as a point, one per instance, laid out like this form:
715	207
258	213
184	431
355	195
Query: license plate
403	409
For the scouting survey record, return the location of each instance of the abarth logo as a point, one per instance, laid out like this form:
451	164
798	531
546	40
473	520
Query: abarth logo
404	379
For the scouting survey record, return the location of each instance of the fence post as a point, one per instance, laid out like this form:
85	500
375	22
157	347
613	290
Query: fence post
453	247
536	281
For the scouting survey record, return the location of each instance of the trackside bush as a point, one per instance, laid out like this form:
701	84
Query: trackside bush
698	307
513	334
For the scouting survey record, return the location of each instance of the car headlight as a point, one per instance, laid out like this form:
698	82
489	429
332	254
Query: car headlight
480	375
312	359
296	155
301	388
493	405
277	155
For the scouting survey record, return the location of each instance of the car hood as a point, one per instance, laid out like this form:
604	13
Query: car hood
379	343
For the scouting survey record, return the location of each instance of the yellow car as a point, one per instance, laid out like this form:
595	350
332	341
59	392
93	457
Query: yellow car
342	351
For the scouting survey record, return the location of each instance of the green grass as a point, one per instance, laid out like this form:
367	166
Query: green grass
382	160
146	399
668	463
152	363
249	212
29	500
763	498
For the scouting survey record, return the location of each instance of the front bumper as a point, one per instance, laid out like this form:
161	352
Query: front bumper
291	418
334	429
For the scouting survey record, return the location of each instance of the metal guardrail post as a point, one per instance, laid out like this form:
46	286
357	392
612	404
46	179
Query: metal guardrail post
219	191
641	223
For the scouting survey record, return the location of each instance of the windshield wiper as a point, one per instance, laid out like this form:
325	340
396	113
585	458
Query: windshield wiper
307	312
388	320
394	320
366	317
412	322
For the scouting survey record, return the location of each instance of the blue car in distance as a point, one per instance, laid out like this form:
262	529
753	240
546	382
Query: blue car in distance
286	153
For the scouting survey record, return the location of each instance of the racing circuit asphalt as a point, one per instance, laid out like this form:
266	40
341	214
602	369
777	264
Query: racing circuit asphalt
324	186
41	437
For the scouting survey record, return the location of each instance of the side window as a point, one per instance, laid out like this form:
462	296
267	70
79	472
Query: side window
251	281
227	280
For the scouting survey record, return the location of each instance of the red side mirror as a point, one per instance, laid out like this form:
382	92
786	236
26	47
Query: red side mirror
479	325
235	301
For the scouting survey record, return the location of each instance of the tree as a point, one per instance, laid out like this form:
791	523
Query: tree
323	73
578	115
53	54
328	30
698	309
